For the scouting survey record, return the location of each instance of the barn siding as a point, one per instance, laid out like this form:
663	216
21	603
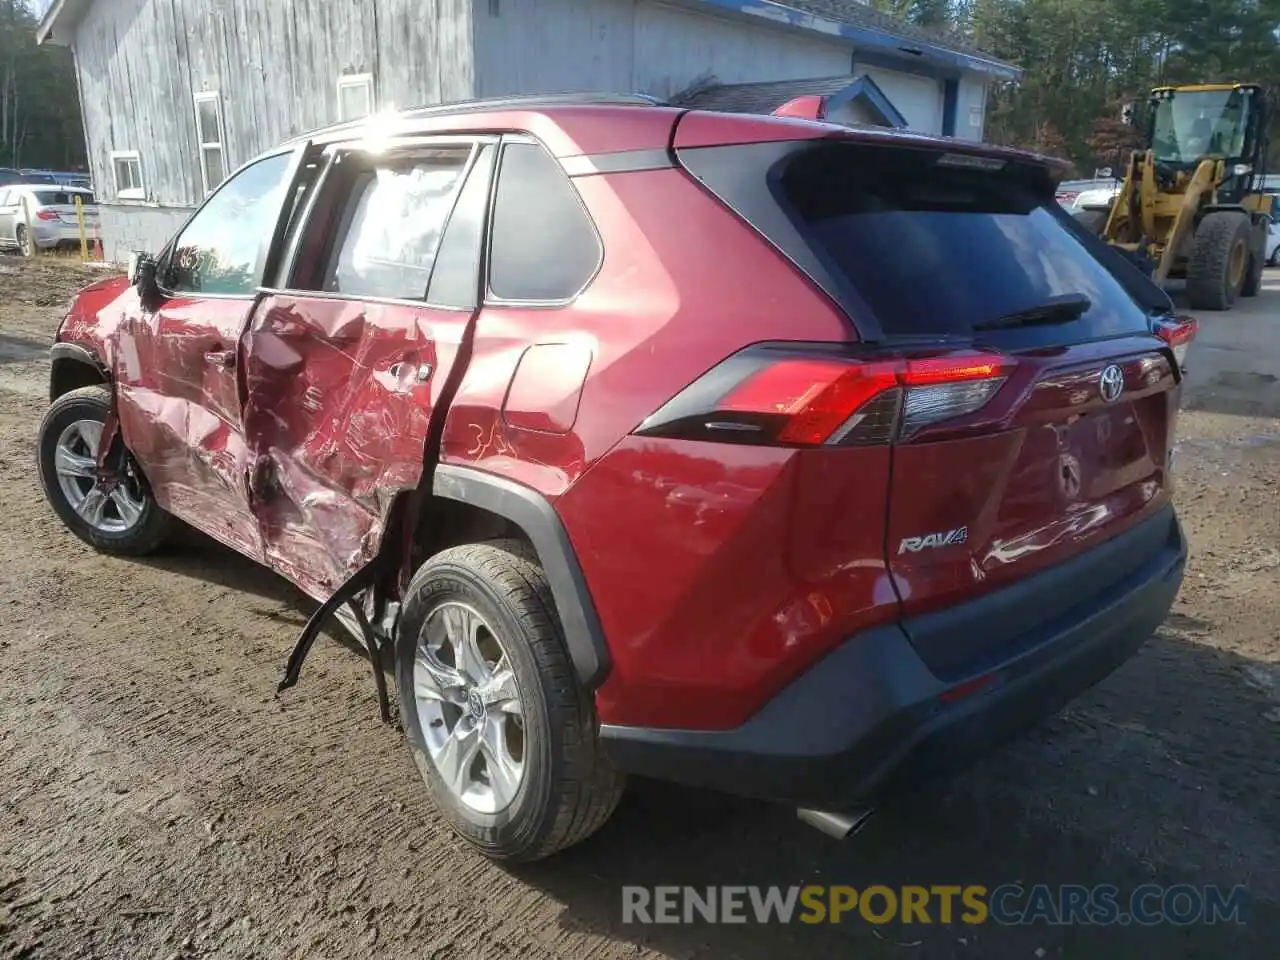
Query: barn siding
275	66
545	46
674	47
549	46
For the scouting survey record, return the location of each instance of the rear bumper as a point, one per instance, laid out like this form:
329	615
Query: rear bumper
61	234
872	718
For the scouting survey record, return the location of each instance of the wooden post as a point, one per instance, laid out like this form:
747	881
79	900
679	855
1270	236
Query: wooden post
84	241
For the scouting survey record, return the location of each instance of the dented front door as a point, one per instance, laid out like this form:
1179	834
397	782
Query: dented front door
179	408
345	367
177	363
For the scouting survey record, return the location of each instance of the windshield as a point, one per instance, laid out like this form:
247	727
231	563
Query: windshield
1191	125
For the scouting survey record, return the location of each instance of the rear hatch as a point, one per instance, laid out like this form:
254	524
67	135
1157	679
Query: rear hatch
1035	407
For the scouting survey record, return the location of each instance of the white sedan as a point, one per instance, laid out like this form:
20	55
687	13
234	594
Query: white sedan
41	217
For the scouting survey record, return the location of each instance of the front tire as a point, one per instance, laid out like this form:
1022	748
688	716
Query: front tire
502	733
1219	262
118	515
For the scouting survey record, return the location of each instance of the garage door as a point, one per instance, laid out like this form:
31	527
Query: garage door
918	99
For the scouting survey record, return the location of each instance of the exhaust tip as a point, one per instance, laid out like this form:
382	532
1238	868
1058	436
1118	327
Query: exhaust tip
833	824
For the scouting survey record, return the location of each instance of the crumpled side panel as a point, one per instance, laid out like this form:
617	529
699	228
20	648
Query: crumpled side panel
340	395
178	399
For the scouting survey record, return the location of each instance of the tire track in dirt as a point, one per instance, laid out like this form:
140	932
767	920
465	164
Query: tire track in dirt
202	797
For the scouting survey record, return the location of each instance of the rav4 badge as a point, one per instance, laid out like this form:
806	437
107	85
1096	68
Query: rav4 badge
944	539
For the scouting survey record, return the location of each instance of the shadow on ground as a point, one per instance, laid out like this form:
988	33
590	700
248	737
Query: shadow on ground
1127	787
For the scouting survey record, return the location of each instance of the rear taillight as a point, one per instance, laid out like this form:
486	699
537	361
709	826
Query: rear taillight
46	215
779	395
1178	333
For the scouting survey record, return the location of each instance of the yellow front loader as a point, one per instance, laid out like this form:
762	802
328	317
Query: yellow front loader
1191	203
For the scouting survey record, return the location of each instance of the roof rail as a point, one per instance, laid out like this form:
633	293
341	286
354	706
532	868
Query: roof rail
498	103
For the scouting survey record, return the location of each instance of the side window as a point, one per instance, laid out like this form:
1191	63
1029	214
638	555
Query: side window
392	225
455	280
221	250
544	247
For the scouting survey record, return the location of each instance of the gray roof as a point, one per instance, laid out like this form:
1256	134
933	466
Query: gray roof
858	14
758	97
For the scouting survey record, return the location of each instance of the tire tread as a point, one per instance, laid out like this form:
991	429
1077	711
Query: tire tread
588	791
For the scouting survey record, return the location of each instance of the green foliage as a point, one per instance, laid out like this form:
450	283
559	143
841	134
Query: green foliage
39	106
1082	59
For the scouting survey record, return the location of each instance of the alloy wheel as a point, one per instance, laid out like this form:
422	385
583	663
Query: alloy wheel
111	506
469	707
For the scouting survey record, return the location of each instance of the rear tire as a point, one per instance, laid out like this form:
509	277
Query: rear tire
561	788
1219	263
122	519
26	246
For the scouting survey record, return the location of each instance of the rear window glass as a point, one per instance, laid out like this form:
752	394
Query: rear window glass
937	250
60	198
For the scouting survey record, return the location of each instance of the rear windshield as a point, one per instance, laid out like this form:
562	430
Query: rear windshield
927	250
60	198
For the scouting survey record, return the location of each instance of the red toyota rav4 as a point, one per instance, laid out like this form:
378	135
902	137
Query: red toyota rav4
783	458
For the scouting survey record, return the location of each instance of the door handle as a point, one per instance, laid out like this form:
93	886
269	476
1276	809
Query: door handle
421	373
220	358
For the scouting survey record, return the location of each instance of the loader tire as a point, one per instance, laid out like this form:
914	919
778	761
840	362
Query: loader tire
1219	262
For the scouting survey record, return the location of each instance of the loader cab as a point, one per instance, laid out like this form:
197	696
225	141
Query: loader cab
1226	122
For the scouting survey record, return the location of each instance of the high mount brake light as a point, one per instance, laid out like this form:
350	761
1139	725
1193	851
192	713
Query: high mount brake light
781	396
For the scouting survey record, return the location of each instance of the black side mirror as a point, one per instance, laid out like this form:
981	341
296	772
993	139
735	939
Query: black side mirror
144	277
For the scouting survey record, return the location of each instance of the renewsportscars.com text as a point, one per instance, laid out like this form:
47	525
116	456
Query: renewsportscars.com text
1007	904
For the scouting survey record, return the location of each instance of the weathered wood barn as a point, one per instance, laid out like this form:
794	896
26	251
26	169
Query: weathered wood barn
177	93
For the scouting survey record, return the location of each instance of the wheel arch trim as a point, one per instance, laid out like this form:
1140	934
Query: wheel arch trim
63	354
533	514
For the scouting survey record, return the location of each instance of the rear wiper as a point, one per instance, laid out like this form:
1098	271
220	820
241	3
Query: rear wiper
1061	309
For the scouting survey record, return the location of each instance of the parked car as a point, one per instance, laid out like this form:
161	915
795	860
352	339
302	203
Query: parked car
1068	190
792	460
39	176
1098	197
1273	233
43	218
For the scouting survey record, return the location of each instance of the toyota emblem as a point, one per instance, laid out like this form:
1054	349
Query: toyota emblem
1111	383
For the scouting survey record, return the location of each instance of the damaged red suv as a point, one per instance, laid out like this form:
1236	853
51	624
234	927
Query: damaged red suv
792	460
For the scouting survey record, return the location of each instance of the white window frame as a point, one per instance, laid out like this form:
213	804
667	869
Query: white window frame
214	97
355	80
129	193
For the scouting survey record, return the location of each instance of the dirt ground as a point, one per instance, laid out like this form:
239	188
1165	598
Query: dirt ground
158	801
